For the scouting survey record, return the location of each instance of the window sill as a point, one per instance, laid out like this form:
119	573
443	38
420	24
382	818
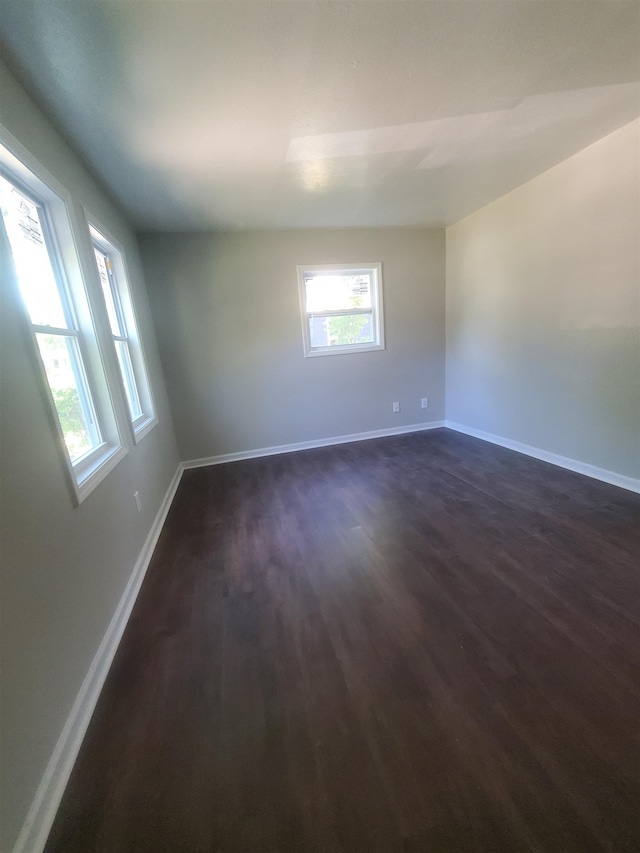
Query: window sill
342	350
142	427
94	474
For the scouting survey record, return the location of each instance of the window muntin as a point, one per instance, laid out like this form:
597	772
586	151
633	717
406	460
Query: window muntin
341	308
52	319
117	299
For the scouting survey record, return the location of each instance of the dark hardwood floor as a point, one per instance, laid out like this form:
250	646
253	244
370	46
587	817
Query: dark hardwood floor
421	643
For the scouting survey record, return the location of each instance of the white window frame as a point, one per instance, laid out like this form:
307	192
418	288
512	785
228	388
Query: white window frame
121	291
30	178
374	270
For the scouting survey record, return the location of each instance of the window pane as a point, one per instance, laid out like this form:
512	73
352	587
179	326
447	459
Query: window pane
62	363
319	332
33	264
337	292
103	269
345	330
126	368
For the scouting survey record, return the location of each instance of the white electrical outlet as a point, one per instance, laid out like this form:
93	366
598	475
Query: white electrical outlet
138	501
396	407
425	402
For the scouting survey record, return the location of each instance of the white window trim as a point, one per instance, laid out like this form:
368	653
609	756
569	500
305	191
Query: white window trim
377	313
21	168
100	236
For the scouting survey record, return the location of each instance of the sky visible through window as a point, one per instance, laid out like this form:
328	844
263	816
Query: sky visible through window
337	292
33	267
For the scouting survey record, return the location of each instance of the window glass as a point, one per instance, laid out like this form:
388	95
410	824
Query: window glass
104	270
128	379
57	339
68	385
341	308
124	332
51	279
345	330
31	258
337	292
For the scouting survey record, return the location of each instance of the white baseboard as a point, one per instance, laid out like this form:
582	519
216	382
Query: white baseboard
309	445
630	483
37	825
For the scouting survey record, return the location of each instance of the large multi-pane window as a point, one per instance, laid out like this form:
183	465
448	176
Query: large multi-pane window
124	332
341	308
51	284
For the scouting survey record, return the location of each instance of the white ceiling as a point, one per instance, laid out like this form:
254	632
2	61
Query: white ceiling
271	114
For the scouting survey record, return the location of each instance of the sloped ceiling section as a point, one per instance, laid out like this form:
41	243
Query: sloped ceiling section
224	115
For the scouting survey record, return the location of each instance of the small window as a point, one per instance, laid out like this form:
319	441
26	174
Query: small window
50	282
341	308
124	332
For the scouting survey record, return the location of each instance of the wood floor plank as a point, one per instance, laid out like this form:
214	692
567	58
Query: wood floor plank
421	643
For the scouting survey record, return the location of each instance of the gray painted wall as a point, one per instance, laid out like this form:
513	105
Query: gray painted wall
543	310
64	568
227	314
542	347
